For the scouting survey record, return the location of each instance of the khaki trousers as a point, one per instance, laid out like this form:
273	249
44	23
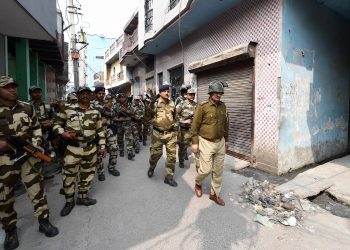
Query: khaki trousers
211	158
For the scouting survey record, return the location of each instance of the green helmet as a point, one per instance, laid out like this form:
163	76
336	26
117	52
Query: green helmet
215	86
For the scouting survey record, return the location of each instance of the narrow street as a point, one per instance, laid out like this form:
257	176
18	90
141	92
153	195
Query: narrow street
135	212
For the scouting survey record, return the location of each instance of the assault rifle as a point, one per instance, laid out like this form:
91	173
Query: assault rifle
187	126
24	149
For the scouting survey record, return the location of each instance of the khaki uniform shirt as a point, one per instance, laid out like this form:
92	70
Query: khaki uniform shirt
163	114
210	121
20	120
86	122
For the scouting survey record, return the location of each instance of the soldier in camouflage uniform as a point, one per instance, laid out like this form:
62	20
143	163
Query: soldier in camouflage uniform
72	98
112	146
80	125
124	113
19	119
45	114
185	110
137	123
183	95
163	119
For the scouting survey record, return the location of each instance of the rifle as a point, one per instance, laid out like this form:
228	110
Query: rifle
24	149
187	126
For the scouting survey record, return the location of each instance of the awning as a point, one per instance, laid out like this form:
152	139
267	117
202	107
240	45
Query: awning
238	53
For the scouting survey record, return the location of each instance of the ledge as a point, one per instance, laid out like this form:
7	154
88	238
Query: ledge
238	53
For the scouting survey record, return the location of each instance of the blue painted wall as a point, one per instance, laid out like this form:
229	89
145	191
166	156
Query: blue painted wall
97	47
314	90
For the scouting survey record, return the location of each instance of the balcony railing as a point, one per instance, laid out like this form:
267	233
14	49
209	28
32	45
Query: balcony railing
113	49
130	43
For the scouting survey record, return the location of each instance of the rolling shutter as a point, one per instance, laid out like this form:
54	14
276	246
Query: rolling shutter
239	100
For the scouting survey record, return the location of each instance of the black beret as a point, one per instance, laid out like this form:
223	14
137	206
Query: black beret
99	89
164	87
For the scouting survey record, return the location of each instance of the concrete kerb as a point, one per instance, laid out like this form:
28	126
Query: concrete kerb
332	177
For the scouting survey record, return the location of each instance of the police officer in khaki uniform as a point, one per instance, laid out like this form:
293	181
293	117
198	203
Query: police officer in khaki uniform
19	119
163	116
209	136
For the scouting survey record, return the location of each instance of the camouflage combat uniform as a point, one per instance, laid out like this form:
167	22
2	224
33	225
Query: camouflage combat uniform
21	121
81	153
164	133
124	125
137	126
44	113
184	110
111	139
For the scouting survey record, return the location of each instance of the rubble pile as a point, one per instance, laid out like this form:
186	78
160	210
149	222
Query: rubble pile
272	206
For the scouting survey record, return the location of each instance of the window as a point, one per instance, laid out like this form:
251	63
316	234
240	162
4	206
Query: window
148	15
176	80
160	79
173	3
149	61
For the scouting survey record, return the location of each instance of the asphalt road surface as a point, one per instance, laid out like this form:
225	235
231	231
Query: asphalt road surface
136	212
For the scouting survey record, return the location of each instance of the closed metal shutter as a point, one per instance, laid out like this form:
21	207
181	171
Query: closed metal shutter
239	100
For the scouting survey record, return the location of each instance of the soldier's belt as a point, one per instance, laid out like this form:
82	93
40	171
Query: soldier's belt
212	140
163	131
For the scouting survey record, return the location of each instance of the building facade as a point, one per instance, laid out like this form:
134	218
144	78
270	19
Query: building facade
32	48
287	93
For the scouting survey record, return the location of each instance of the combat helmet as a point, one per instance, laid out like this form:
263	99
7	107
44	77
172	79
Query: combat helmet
216	86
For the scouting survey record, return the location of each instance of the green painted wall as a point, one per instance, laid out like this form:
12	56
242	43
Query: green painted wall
34	63
22	68
42	79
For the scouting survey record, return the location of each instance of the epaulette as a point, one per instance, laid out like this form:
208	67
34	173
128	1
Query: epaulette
24	103
204	102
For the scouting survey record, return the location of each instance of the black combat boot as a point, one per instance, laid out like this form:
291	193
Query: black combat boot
181	164
170	182
150	172
137	151
86	201
113	171
47	228
68	207
11	239
101	177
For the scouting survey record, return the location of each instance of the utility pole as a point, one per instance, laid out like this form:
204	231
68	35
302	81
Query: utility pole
74	52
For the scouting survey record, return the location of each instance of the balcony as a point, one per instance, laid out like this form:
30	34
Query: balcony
112	53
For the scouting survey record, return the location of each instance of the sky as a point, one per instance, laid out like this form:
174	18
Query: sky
102	17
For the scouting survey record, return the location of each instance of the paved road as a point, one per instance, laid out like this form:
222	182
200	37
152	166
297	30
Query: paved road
135	212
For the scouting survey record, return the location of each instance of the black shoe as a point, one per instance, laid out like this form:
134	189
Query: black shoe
86	201
101	177
150	172
114	172
68	207
170	182
137	151
130	156
47	228
121	154
181	164
11	239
